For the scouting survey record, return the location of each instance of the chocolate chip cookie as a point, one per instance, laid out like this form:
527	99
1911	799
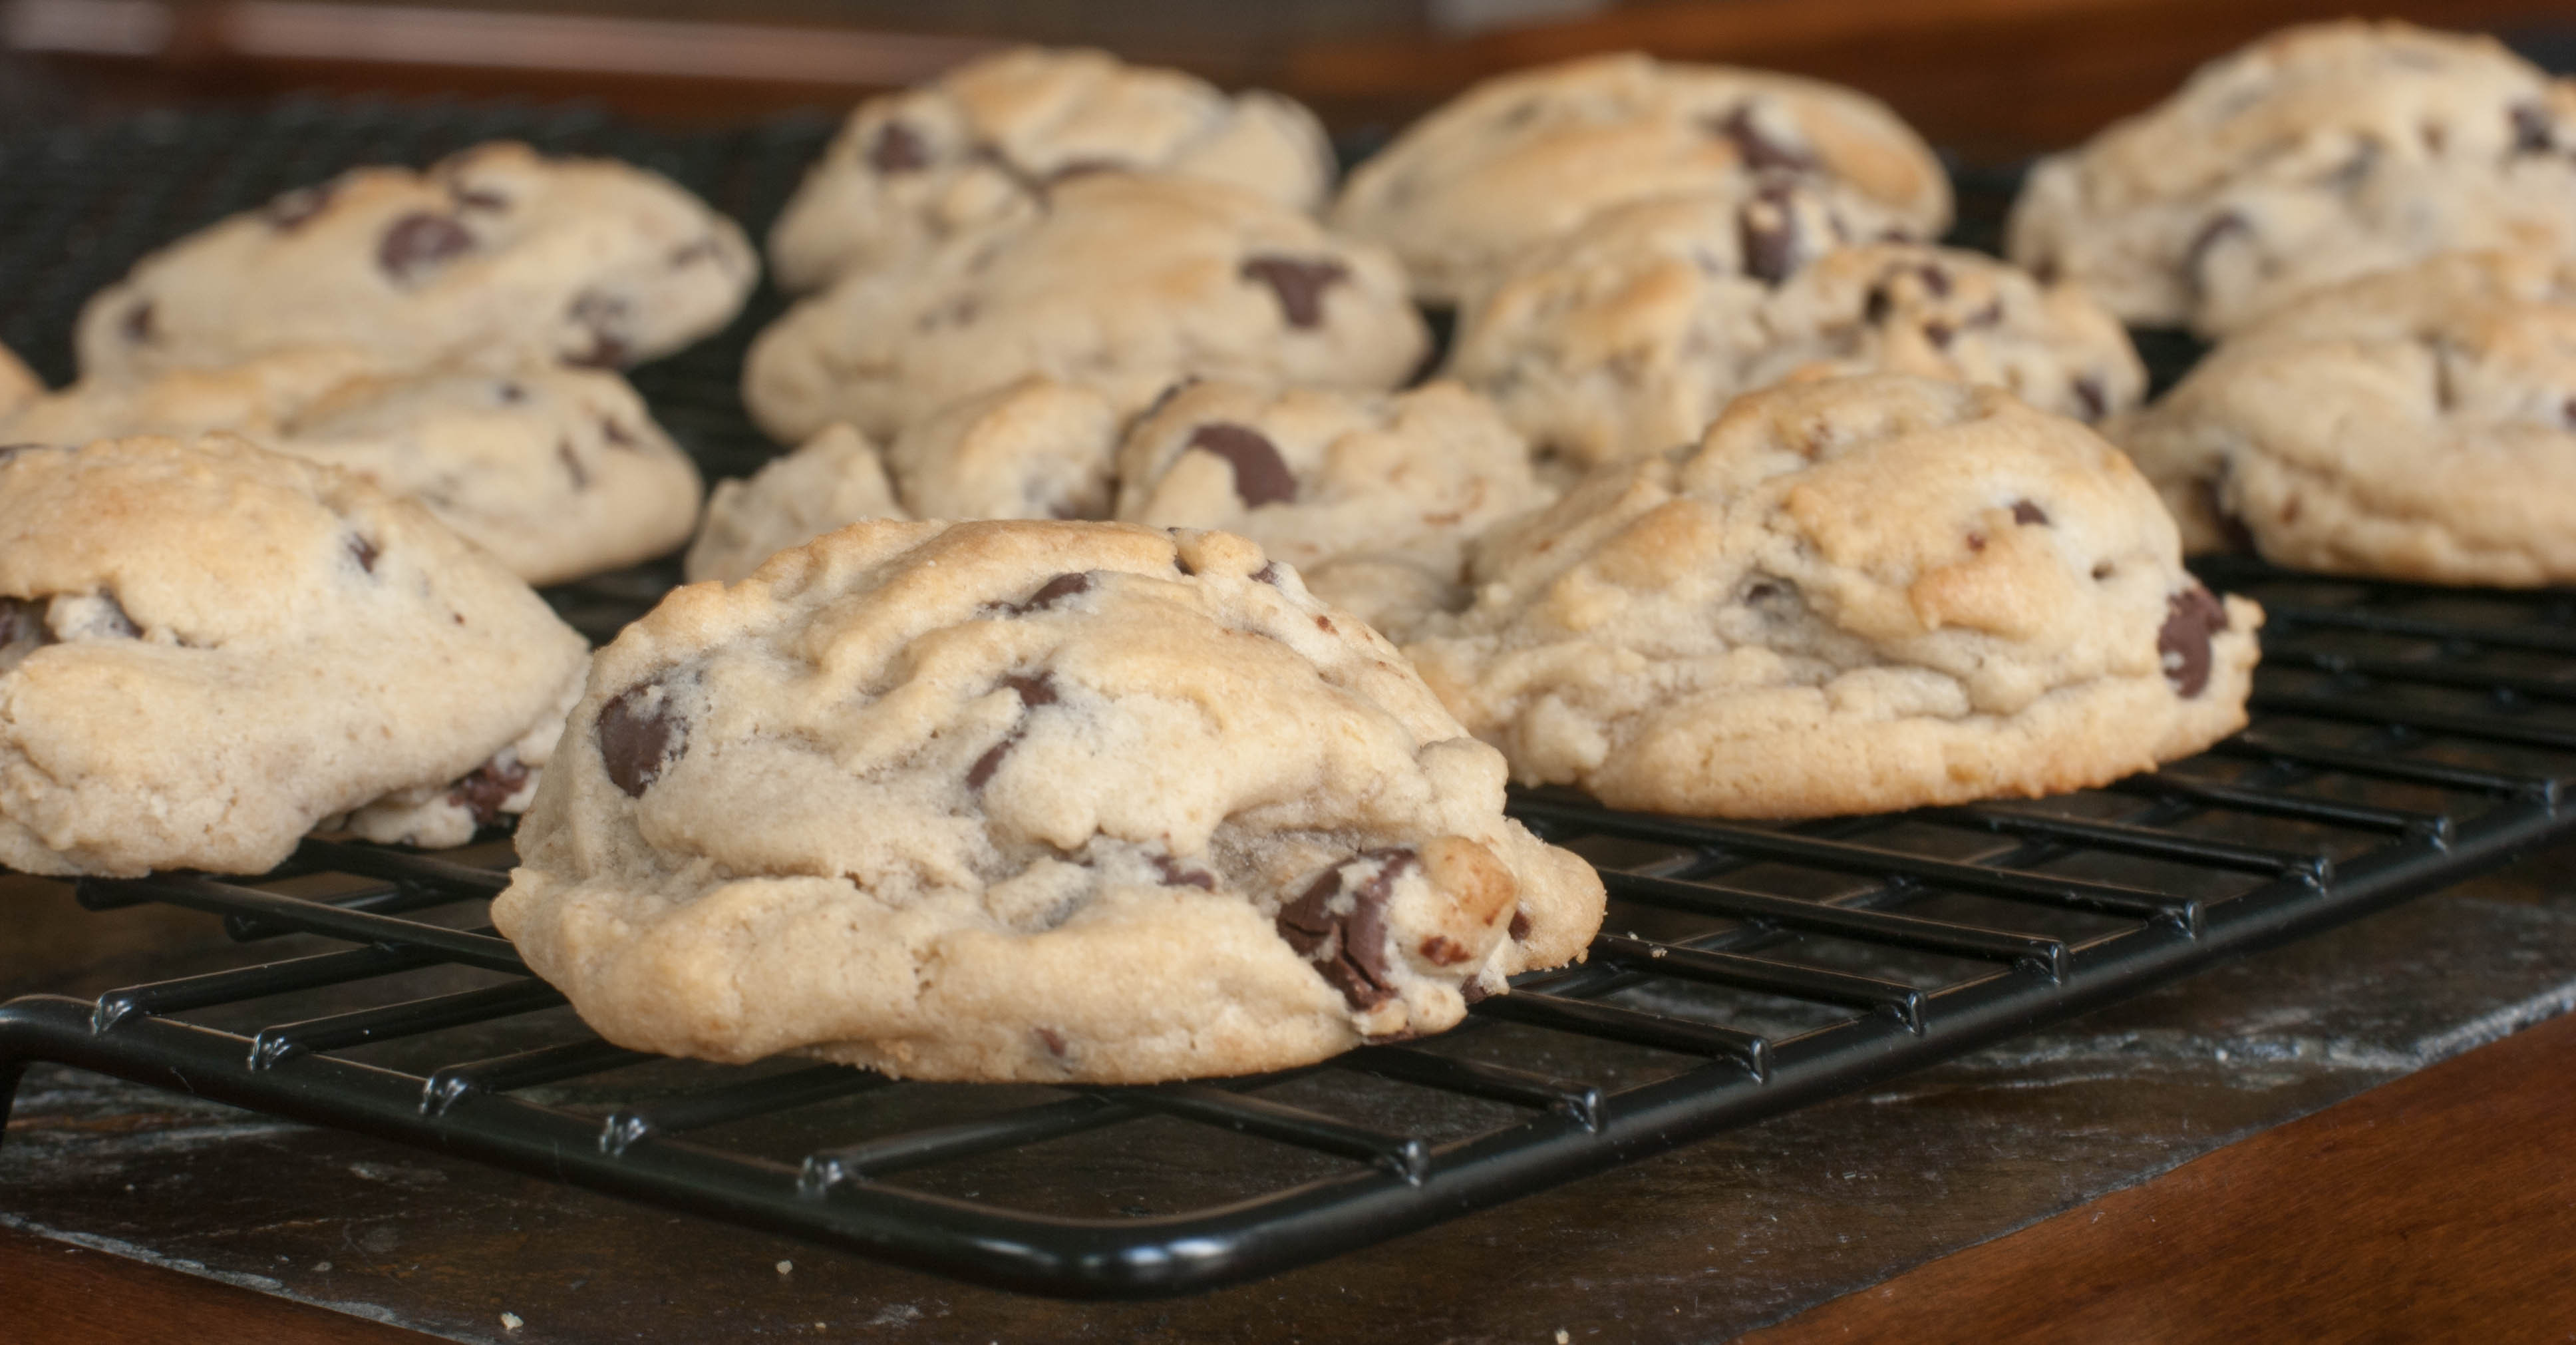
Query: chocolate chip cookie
559	472
496	257
1057	802
1853	595
1626	336
2416	424
1126	284
1528	156
207	649
1340	485
986	143
2318	154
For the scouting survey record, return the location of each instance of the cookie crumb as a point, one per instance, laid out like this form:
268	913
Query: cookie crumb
321	1267
785	1266
510	1322
1563	1336
1656	951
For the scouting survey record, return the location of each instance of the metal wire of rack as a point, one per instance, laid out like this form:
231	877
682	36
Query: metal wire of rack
2404	739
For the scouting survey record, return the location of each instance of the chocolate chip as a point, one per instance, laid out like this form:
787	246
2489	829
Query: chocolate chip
364	552
477	198
1048	595
511	394
898	148
2218	230
981	773
2026	513
489	787
1767	236
1349	945
2532	128
1324	624
1760	152
1443	950
1047	1037
1261	476
290	211
1473	991
1879	306
1177	874
1520	927
1299	283
2088	390
2103	570
1034	691
1267	574
2566	412
1762	590
2191	617
418	244
1939	333
138	325
1976	541
2239	537
1934	279
605	315
572	464
640	735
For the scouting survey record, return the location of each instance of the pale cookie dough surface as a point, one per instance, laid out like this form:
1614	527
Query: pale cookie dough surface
559	472
206	650
1359	491
1855	595
1037	448
496	257
1125	285
1626	336
1019	800
2316	155
986	142
1529	156
2418	424
18	383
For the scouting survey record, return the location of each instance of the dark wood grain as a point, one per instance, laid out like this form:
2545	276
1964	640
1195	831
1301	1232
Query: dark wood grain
59	1294
2438	1207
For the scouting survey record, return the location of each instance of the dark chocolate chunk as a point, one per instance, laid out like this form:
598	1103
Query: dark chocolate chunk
1300	284
291	210
2024	512
2218	230
1267	574
2191	617
2533	128
897	148
1473	991
1048	595
1939	333
1443	950
1934	279
572	464
1767	236
1348	945
1047	1037
364	552
640	734
1761	153
138	326
1520	927
1879	306
1261	476
2212	496
1034	691
489	787
418	244
605	315
2088	390
1177	874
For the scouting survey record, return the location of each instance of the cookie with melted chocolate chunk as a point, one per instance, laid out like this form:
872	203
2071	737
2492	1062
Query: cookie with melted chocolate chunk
208	649
1020	800
1853	595
494	258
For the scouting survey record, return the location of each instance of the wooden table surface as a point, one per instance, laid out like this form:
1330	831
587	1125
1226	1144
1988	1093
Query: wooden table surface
2438	1207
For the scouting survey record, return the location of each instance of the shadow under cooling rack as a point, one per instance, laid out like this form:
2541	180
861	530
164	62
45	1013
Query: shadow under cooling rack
2404	738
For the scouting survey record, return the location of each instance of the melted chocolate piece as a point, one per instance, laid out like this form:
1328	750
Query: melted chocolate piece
1048	595
364	552
1520	927
2532	128
1034	691
1767	236
897	148
416	246
2191	618
1177	874
138	325
572	464
1761	153
2088	390
1443	950
1349	946
291	210
605	316
1267	574
1976	541
1261	476
2218	230
1934	279
1879	307
2024	512
1299	283
1049	1038
489	787
1939	333
640	734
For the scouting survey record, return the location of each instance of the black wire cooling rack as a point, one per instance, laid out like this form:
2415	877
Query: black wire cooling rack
2404	738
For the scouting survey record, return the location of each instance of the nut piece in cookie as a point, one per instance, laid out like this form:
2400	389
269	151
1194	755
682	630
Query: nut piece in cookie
987	142
2417	424
495	258
2315	155
1126	284
1531	155
1853	595
1341	485
207	649
1058	802
560	472
1627	335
